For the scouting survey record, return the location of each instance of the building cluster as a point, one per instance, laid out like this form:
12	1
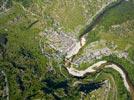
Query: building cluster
99	53
60	40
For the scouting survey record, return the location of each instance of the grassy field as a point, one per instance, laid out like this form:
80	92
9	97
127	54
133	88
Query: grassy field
26	67
122	17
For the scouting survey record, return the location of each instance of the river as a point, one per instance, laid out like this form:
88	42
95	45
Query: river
105	64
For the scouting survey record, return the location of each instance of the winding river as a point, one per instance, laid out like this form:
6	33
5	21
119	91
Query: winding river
102	64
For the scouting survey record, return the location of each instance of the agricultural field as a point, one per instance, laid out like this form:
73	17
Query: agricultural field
66	50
